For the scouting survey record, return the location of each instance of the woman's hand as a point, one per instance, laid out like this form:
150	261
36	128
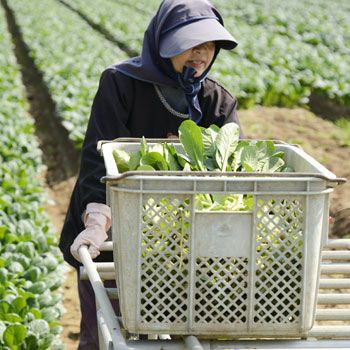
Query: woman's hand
97	220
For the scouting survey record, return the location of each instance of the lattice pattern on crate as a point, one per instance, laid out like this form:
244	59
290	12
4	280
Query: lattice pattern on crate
221	290
279	253
164	259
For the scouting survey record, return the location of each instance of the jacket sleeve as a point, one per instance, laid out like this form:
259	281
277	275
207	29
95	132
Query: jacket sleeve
108	120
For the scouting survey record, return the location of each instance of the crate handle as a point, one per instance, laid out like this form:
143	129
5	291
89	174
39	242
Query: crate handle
335	180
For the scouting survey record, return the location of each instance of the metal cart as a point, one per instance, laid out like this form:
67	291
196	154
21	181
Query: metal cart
182	275
333	307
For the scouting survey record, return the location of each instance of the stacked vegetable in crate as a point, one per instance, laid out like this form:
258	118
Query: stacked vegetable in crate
212	235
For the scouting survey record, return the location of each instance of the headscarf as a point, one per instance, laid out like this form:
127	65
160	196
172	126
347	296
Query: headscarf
151	67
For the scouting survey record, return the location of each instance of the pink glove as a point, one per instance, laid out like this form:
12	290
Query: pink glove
97	221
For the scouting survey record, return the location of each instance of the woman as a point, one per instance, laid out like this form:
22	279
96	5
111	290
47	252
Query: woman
148	96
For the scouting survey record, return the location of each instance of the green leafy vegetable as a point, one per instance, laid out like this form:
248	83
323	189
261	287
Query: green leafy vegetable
122	158
226	143
14	335
155	160
260	156
207	149
191	138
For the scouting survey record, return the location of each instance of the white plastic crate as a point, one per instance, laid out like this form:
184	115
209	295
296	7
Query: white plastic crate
237	274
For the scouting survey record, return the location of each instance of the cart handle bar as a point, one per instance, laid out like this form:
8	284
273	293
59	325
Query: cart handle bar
102	299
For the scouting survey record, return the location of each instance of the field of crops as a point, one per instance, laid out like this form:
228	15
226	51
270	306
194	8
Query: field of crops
287	53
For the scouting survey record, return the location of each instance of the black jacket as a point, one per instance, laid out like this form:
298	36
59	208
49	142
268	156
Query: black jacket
126	107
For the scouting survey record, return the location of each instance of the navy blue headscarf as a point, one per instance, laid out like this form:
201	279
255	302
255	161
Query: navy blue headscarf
151	67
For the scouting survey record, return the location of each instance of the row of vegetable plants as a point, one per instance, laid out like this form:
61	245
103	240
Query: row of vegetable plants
125	21
70	54
314	22
286	52
304	43
30	272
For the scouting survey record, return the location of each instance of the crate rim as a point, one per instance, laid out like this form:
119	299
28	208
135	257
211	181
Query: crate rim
226	176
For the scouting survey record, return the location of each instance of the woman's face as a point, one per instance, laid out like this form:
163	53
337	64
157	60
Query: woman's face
199	58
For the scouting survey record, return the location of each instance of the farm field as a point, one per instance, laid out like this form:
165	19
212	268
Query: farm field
290	73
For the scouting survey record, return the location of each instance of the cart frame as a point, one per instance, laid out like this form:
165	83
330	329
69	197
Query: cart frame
333	291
